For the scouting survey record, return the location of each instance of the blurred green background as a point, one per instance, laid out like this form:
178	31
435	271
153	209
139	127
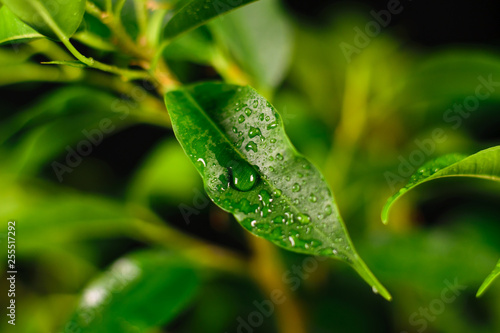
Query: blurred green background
128	235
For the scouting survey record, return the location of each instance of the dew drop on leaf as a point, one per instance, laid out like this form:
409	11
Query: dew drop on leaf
251	146
243	177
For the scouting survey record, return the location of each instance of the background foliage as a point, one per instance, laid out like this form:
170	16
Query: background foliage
127	241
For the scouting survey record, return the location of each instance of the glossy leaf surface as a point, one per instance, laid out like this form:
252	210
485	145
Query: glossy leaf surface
139	292
198	12
46	16
13	29
484	164
238	144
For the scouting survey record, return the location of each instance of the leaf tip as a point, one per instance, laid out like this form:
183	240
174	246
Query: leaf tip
362	269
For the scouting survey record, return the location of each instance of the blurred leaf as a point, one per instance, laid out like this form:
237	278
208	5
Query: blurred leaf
195	46
198	12
94	33
237	142
39	134
166	172
45	216
47	18
139	292
489	280
484	164
260	37
13	29
439	79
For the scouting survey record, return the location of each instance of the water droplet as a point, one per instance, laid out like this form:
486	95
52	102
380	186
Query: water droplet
253	132
277	193
279	157
261	117
248	112
268	104
312	198
255	103
292	241
235	130
202	161
243	177
271	169
241	119
272	125
251	146
303	218
296	187
273	140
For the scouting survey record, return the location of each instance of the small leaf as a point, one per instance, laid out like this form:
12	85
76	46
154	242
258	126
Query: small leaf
198	12
13	29
489	280
139	292
237	142
484	164
260	38
70	63
45	17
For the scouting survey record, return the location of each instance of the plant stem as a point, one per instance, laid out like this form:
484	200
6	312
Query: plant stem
267	270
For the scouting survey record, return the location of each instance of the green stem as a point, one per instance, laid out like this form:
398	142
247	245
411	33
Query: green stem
128	74
142	20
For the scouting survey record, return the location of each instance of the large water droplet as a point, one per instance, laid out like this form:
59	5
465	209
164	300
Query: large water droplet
243	177
241	119
296	187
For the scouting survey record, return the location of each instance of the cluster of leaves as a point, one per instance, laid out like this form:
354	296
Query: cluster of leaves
231	133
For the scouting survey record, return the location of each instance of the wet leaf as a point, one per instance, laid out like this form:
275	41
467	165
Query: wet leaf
484	164
198	12
238	144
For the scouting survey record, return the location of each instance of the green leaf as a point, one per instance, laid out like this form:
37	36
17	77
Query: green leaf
48	17
13	29
237	142
260	38
484	164
48	216
198	12
489	280
195	46
139	292
70	63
